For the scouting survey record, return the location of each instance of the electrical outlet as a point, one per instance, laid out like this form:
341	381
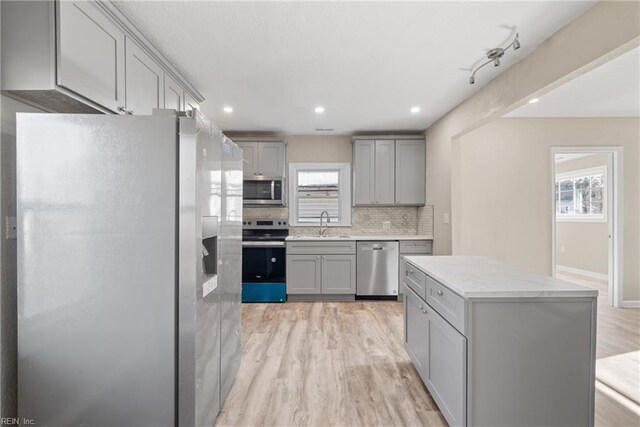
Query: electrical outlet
386	225
11	229
446	218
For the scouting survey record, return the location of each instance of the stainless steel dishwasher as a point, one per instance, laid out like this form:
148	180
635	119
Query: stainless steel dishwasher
377	268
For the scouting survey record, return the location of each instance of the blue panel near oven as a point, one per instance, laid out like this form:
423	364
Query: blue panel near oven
264	292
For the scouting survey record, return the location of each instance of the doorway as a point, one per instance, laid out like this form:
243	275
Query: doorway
587	217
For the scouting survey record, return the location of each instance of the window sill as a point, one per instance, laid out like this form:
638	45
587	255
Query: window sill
581	219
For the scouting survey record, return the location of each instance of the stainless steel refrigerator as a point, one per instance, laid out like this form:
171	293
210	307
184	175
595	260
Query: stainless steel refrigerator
129	269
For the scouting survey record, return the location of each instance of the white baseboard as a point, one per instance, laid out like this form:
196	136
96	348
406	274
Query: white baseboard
591	274
630	304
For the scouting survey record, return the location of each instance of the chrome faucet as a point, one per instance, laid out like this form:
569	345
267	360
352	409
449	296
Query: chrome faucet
322	230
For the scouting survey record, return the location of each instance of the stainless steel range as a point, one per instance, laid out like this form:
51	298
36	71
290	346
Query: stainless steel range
264	260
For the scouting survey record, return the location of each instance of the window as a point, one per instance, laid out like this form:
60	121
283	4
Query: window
319	187
581	195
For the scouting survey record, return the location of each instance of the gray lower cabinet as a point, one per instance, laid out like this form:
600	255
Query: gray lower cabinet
439	353
339	274
304	274
446	367
500	357
321	274
327	268
416	332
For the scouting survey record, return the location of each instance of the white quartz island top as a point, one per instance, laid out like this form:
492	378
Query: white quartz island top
355	237
481	277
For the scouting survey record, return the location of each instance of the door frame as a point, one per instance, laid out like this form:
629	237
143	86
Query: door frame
615	211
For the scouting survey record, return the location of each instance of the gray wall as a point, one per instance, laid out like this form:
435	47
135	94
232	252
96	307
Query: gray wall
8	305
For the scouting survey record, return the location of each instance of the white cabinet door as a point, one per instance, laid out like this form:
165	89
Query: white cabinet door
410	172
363	172
271	159
447	368
173	94
144	83
385	172
90	54
250	158
416	332
304	274
339	274
190	103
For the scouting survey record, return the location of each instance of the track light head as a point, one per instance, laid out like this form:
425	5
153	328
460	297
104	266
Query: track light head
496	62
516	43
472	80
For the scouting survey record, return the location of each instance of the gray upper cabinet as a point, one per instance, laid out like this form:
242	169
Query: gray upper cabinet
190	103
173	94
84	57
250	157
410	161
263	158
364	165
91	60
271	158
144	82
389	172
385	172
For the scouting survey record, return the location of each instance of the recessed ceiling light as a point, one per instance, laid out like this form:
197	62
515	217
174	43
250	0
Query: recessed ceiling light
319	109
228	109
415	110
533	100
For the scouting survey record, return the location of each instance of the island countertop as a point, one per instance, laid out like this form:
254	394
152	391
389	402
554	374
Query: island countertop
482	277
356	237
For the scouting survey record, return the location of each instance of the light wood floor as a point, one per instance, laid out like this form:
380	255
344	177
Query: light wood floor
343	364
618	337
326	364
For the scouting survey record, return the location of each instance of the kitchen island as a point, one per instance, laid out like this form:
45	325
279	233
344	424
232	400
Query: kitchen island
499	345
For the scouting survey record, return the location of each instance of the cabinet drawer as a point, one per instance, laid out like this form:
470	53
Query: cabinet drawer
415	279
446	303
416	247
329	247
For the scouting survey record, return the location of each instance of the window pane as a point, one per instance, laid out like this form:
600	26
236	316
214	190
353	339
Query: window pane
566	185
318	191
596	208
597	188
566	208
566	196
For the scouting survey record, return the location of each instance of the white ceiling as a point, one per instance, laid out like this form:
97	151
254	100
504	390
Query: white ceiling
367	63
611	90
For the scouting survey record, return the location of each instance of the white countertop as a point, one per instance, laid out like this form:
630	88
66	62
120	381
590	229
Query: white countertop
367	237
481	277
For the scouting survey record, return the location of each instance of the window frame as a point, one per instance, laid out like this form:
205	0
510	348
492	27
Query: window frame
344	192
579	173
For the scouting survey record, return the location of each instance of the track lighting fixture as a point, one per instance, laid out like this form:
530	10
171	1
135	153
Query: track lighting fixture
494	56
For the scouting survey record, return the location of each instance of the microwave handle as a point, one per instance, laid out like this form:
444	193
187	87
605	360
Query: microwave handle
273	190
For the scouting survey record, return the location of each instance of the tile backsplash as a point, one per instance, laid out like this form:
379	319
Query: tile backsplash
364	220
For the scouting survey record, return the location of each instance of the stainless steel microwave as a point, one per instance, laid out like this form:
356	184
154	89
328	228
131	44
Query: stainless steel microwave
263	190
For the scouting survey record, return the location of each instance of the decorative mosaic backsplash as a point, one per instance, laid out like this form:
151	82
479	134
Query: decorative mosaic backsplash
364	220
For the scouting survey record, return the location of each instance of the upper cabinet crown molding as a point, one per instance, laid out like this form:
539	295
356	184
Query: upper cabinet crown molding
71	57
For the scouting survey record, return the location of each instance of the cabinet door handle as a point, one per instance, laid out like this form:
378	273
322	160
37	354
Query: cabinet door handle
424	311
121	109
439	292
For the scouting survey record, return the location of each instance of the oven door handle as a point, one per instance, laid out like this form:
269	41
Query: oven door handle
263	244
